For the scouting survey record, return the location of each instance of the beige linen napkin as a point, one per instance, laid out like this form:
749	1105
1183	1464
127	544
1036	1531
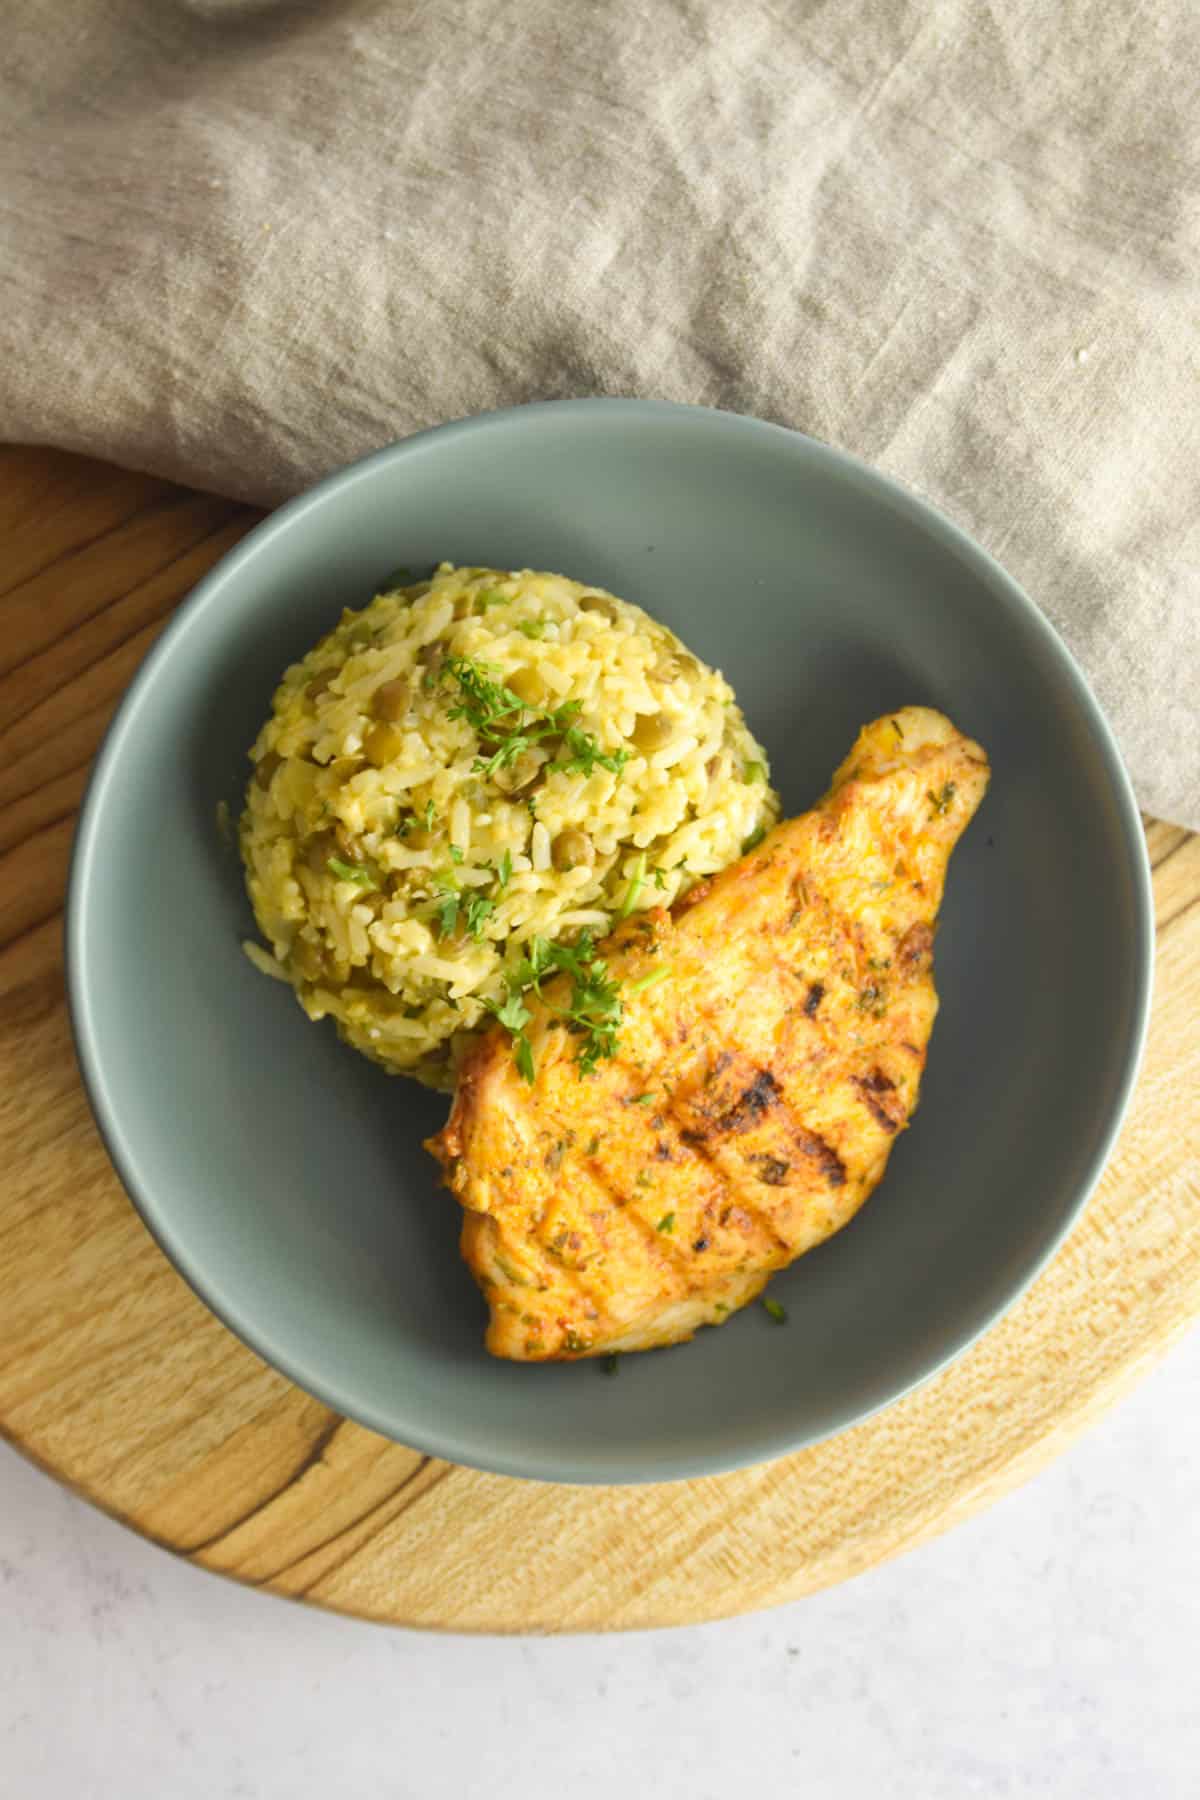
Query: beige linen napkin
242	243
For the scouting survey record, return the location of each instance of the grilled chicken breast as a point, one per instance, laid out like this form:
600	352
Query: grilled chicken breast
770	1050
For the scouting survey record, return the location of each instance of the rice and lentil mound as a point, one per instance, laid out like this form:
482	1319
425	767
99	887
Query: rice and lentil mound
466	765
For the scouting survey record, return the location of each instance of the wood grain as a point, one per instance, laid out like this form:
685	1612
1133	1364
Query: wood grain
115	1378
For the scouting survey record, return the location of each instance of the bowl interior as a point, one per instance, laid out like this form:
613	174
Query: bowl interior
286	1176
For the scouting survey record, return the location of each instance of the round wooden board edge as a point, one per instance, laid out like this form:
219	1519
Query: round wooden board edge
1159	1301
1008	1474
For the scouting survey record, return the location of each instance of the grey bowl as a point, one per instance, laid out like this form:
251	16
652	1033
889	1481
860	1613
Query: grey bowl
284	1175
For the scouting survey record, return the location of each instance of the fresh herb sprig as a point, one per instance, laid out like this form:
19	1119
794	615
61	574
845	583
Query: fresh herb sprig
508	725
454	906
593	1010
476	908
585	755
447	907
484	703
358	873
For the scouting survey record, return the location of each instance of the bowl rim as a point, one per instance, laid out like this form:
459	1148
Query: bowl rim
769	1444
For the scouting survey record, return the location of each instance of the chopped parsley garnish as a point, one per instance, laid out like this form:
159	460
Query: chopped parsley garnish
430	814
660	878
455	906
508	725
754	840
593	1146
532	628
940	801
448	916
512	1012
523	1052
447	911
644	1099
504	869
475	909
585	755
484	703
666	1224
488	597
755	771
593	1012
358	873
775	1311
456	854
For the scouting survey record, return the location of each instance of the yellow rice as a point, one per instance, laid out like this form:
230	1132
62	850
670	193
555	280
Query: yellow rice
349	778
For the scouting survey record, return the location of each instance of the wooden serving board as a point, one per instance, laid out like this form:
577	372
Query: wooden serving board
115	1378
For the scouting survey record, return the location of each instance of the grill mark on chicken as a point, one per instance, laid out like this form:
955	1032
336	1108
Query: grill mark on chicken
610	1203
666	1244
625	1215
737	1203
762	1098
767	1169
748	1109
772	1171
823	1154
870	1087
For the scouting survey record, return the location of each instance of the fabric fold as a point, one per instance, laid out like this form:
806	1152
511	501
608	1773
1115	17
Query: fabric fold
241	244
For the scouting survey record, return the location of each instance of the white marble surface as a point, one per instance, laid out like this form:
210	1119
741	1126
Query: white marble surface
1051	1647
